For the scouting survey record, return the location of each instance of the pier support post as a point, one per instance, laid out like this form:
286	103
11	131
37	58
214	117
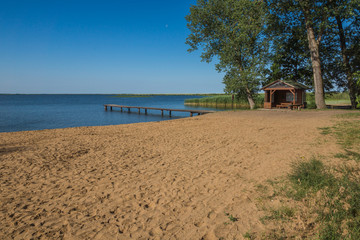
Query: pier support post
121	109
105	108
191	114
128	109
170	113
110	108
139	110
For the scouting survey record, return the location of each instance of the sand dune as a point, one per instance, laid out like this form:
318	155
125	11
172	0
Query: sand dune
162	180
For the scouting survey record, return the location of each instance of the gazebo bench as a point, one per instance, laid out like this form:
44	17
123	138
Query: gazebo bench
284	105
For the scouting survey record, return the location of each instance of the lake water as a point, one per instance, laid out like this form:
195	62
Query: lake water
36	112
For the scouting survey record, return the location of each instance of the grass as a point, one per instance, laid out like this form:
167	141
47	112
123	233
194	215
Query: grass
349	115
309	177
337	195
349	155
327	197
282	213
347	134
248	235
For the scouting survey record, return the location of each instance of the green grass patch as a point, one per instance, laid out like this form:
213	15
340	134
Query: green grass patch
283	213
248	235
349	115
231	217
338	198
330	195
348	134
309	177
325	130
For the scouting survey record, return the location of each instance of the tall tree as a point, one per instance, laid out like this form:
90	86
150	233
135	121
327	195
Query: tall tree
357	79
233	31
346	24
313	16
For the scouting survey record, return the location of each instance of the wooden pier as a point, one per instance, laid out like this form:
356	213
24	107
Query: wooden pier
122	107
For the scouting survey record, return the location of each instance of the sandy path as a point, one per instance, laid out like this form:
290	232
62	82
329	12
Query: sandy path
162	180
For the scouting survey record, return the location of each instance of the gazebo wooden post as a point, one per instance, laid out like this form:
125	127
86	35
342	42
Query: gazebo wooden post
293	92
271	93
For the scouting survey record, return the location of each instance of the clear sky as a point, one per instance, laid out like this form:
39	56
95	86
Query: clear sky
73	46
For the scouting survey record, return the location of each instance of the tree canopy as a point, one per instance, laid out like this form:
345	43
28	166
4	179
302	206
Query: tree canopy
315	42
233	31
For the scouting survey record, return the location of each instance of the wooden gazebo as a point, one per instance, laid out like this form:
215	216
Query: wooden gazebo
285	94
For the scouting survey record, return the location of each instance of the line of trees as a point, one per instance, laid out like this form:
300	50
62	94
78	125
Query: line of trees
316	42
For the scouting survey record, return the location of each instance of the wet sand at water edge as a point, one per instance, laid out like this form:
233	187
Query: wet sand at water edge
161	180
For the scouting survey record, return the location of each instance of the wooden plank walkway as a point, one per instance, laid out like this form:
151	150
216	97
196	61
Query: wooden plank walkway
338	106
199	112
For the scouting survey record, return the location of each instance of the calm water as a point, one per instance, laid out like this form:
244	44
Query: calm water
36	112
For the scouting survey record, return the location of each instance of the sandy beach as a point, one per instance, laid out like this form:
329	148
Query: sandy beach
162	180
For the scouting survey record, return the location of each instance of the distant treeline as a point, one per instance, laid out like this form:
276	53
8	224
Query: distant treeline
165	94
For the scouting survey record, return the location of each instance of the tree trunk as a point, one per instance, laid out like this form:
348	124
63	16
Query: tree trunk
350	82
250	99
316	66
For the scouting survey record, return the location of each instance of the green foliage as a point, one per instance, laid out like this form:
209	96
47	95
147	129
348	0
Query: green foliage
330	98
233	31
310	99
336	27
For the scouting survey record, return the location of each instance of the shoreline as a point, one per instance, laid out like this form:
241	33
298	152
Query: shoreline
157	180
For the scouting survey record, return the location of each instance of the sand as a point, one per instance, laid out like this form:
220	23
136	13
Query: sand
163	180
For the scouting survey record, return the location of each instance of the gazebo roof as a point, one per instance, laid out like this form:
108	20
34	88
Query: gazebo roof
285	84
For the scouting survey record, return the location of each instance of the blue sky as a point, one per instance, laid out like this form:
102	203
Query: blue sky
100	47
